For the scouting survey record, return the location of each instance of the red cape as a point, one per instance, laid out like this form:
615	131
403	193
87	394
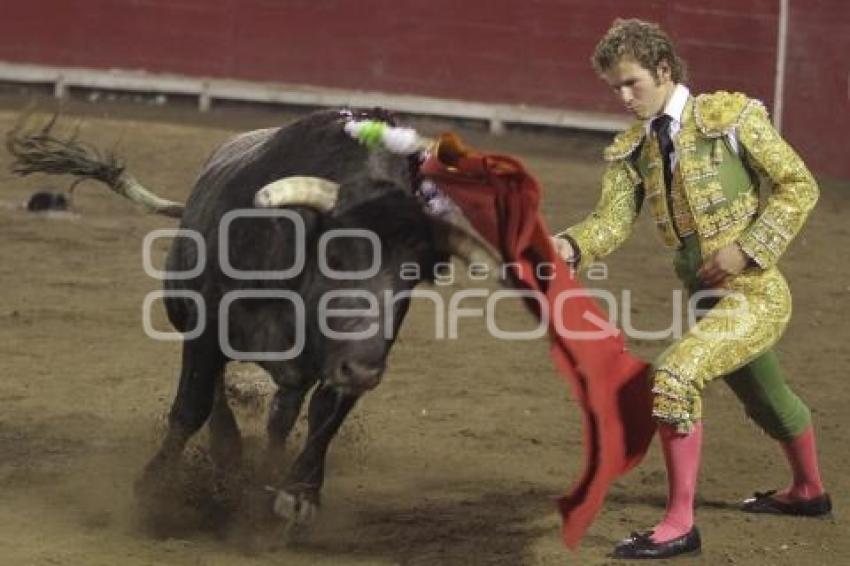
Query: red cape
500	199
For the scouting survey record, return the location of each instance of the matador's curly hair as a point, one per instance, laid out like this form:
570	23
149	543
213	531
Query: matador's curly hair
642	41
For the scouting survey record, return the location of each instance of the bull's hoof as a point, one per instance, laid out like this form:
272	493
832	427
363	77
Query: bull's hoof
298	510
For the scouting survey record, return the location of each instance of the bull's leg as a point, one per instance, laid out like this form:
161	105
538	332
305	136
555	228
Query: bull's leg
283	413
328	409
203	364
225	439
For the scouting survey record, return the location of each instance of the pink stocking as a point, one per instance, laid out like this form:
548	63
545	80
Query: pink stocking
803	460
682	458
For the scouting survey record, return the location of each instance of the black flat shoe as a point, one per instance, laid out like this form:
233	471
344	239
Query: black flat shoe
766	503
640	545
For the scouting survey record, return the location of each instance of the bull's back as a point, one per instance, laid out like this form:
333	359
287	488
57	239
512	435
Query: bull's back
316	146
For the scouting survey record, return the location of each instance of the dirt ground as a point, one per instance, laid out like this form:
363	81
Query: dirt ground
454	459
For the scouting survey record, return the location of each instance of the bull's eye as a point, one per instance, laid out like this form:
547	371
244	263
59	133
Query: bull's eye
350	254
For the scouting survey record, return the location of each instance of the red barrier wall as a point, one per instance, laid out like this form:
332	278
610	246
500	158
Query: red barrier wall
817	88
519	51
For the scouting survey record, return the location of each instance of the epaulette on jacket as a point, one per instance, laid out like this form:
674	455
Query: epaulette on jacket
625	143
721	112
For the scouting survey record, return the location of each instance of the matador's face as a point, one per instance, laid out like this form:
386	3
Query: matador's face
642	94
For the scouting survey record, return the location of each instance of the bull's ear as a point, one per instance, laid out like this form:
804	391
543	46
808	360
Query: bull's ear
315	192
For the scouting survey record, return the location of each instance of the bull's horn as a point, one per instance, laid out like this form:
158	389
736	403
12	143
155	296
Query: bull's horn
320	194
464	243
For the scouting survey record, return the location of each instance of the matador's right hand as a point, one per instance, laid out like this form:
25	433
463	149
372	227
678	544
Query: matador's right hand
564	248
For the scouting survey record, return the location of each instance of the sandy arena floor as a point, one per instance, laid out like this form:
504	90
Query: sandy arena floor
454	459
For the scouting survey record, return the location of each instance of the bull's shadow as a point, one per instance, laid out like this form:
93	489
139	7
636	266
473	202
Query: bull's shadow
435	524
493	526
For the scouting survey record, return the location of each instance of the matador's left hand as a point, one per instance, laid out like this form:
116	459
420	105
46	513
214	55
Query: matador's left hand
725	262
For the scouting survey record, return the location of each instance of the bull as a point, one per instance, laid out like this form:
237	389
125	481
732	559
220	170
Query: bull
323	184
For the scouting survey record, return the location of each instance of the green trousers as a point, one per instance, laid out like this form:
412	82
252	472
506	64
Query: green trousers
760	384
767	399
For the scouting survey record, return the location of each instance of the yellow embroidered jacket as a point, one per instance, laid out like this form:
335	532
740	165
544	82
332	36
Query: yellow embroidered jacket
715	187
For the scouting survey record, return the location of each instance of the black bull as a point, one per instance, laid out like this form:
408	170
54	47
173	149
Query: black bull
279	315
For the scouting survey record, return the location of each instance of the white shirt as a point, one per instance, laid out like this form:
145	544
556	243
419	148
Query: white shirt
674	108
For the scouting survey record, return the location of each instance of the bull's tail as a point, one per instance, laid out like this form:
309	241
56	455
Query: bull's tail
38	150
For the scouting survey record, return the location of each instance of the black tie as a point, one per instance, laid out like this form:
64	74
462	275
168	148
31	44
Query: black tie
661	127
